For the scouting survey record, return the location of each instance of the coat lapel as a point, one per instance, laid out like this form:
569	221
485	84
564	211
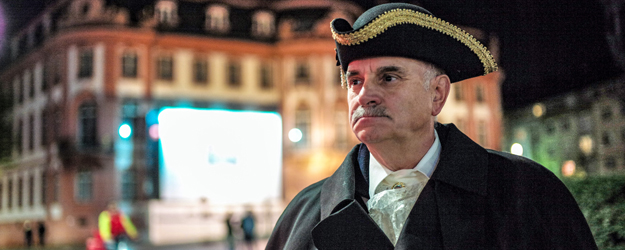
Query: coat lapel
449	214
459	184
345	224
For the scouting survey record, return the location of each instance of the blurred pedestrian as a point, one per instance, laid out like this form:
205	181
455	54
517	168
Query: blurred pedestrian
115	226
229	231
28	234
41	229
247	224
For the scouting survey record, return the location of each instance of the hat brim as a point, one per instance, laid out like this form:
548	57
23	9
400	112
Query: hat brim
413	34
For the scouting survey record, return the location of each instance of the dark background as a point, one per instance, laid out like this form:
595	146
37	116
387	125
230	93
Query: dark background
547	47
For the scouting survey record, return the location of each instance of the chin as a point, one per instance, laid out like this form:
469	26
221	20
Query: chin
367	136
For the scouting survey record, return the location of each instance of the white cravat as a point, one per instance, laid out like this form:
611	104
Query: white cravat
395	197
393	194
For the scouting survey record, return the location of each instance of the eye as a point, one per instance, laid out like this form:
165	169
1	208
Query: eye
354	82
389	78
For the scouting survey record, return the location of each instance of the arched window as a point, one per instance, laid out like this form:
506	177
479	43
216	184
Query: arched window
263	24
87	124
217	19
166	12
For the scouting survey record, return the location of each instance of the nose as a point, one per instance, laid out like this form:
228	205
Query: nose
369	94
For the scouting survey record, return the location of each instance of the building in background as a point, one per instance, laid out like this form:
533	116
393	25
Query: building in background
577	133
580	132
87	79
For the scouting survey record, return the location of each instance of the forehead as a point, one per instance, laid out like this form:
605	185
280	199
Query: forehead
372	64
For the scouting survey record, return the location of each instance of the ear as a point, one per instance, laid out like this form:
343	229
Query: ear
440	90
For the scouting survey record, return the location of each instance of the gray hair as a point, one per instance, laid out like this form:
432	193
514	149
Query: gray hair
431	72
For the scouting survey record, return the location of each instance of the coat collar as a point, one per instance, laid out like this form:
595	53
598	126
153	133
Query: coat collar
462	162
463	165
458	152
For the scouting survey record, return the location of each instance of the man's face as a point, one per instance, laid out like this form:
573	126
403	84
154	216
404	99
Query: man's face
388	100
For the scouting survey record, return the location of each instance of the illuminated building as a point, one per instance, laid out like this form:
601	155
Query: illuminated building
583	127
87	78
582	131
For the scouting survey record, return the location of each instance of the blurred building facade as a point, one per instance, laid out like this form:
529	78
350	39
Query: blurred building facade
574	134
83	68
580	132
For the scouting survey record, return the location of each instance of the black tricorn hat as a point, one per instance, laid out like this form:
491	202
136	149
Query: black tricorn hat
406	30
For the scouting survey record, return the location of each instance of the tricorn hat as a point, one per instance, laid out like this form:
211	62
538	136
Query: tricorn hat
406	30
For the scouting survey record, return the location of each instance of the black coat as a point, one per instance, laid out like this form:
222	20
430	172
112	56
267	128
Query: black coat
476	199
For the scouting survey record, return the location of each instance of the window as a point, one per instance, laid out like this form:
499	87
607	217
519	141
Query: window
44	185
31	132
31	191
481	134
302	122
458	95
566	124
550	127
129	65
302	73
83	186
45	138
266	76
45	83
165	68
606	113
31	86
10	193
19	137
87	124
85	66
262	24
234	74
128	185
20	192
479	93
605	139
166	12
610	162
200	71
20	91
217	19
57	70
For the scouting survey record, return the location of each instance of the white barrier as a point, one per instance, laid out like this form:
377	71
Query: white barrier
171	222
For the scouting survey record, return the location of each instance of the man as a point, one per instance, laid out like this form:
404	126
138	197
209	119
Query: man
114	226
414	183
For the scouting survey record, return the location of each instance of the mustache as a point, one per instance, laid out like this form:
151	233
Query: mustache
370	111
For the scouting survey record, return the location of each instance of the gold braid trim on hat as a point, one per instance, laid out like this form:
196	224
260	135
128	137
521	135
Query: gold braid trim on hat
402	16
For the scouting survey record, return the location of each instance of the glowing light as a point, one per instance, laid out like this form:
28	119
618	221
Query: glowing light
295	135
153	131
538	110
231	157
568	168
585	144
125	131
516	149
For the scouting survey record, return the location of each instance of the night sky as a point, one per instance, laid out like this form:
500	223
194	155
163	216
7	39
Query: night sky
547	47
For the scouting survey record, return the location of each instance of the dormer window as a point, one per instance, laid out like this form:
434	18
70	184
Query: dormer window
263	24
166	12
217	19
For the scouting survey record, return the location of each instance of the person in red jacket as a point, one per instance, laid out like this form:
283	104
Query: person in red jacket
114	226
